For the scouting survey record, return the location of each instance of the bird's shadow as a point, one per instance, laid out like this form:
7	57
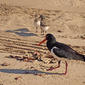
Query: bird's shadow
20	71
22	32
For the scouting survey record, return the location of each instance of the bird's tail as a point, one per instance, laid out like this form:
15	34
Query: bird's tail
82	57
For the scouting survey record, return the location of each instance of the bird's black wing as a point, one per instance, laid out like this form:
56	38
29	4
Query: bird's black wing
65	47
59	52
63	50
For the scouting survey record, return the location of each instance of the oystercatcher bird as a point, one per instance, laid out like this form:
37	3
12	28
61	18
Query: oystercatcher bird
61	50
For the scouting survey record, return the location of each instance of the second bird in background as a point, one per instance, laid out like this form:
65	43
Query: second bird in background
40	22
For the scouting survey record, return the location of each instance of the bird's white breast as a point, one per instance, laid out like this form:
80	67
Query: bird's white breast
45	28
38	22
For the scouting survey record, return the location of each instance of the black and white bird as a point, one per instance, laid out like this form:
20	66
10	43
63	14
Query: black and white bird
61	50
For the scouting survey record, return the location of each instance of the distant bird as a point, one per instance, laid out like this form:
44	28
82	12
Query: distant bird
44	27
61	50
37	22
40	22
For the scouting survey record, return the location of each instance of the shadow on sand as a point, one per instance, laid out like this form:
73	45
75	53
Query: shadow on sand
22	32
20	71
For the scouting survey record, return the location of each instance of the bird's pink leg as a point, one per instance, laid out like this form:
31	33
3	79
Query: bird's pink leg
66	68
52	68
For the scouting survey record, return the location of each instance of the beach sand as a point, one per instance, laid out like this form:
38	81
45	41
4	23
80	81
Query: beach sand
18	39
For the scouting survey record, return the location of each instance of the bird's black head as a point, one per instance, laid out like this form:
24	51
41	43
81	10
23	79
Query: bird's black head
50	41
50	37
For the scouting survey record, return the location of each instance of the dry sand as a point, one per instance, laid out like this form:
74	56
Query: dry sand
18	38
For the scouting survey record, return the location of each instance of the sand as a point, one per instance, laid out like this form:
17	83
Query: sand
18	38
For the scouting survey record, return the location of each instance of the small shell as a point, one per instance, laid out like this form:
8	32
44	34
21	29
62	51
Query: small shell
16	78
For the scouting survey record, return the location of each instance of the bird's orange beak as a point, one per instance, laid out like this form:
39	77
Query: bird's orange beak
42	42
